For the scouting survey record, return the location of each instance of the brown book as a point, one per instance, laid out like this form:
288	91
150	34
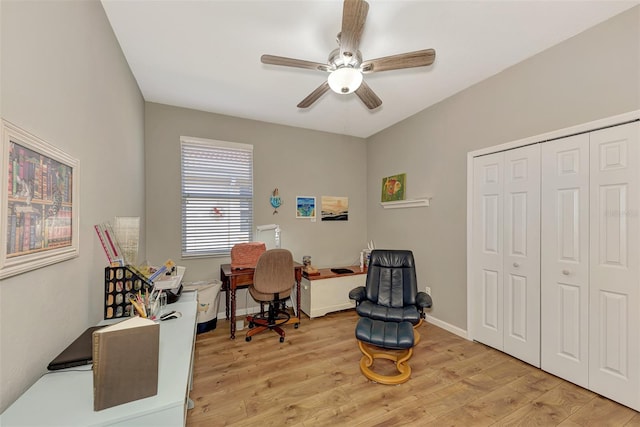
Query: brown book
125	362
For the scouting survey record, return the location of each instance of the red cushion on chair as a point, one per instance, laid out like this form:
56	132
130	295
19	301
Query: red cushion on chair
245	255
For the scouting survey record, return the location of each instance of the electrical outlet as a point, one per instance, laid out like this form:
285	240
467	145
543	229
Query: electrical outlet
428	290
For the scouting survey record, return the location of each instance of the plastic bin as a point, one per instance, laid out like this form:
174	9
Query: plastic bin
208	302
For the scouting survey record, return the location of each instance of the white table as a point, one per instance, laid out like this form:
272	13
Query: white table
65	398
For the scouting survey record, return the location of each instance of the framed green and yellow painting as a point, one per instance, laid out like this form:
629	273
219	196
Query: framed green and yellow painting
394	188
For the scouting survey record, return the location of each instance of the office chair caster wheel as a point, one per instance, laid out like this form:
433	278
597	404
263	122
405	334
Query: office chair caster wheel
281	339
296	326
247	339
251	325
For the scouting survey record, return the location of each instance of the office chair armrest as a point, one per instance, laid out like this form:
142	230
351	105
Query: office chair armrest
423	300
358	294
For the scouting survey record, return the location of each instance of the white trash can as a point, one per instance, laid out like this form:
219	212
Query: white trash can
208	302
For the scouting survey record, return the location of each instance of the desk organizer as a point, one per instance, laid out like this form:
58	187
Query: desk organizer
118	282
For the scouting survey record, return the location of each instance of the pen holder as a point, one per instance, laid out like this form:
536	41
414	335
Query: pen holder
156	306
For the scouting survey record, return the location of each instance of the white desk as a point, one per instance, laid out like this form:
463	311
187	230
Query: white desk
65	398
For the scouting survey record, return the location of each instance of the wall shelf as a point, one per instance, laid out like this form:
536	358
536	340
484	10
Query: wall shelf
415	203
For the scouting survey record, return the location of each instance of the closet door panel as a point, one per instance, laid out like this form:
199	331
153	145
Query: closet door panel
522	253
565	258
487	274
614	347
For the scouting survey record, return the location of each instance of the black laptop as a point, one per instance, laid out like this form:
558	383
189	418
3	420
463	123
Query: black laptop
78	353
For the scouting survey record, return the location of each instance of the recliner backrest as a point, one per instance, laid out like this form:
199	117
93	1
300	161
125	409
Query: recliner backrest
391	278
274	272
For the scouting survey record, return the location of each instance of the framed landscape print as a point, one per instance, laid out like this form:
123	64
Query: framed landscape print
334	208
39	226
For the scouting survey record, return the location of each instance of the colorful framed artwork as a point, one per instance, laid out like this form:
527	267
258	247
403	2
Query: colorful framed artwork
334	208
39	226
305	207
394	188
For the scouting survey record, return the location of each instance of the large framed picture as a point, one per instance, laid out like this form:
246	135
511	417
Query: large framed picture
39	226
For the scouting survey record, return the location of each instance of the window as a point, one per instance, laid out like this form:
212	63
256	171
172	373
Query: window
217	196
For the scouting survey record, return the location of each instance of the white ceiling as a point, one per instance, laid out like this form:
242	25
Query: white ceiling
205	54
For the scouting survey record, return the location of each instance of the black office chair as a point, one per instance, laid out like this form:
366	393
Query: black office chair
272	282
390	309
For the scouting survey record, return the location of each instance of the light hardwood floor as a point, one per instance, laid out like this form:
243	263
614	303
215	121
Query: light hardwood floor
313	379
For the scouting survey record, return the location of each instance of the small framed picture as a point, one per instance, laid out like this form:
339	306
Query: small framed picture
393	188
305	207
334	208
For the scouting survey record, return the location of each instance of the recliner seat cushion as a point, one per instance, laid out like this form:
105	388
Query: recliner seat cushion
390	335
394	314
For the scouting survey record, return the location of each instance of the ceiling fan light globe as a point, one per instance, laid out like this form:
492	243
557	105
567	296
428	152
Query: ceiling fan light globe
345	80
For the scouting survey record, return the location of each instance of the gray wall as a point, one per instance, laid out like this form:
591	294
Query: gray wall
65	80
594	75
296	161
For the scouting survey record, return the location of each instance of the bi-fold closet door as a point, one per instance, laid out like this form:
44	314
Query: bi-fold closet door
506	252
590	261
554	259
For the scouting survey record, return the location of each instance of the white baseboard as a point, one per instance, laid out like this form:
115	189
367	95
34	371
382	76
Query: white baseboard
447	326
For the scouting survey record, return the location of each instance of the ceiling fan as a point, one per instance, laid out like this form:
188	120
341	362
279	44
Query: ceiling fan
345	65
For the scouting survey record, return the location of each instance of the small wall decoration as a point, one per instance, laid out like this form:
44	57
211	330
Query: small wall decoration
335	208
394	188
275	201
40	224
305	207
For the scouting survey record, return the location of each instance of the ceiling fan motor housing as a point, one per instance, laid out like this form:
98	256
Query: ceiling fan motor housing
336	60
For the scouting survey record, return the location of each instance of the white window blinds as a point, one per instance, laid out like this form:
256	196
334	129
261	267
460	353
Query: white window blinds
217	196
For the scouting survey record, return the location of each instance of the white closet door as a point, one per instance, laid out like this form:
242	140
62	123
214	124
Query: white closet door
522	253
614	348
487	291
565	258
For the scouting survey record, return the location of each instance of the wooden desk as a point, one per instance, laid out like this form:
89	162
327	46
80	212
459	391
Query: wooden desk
238	279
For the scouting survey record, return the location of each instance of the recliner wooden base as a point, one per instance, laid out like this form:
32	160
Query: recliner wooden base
399	357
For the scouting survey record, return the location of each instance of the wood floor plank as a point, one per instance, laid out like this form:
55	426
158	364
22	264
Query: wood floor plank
553	407
313	379
600	411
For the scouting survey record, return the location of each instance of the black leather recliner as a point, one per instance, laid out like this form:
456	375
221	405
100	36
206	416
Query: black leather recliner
391	291
391	309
